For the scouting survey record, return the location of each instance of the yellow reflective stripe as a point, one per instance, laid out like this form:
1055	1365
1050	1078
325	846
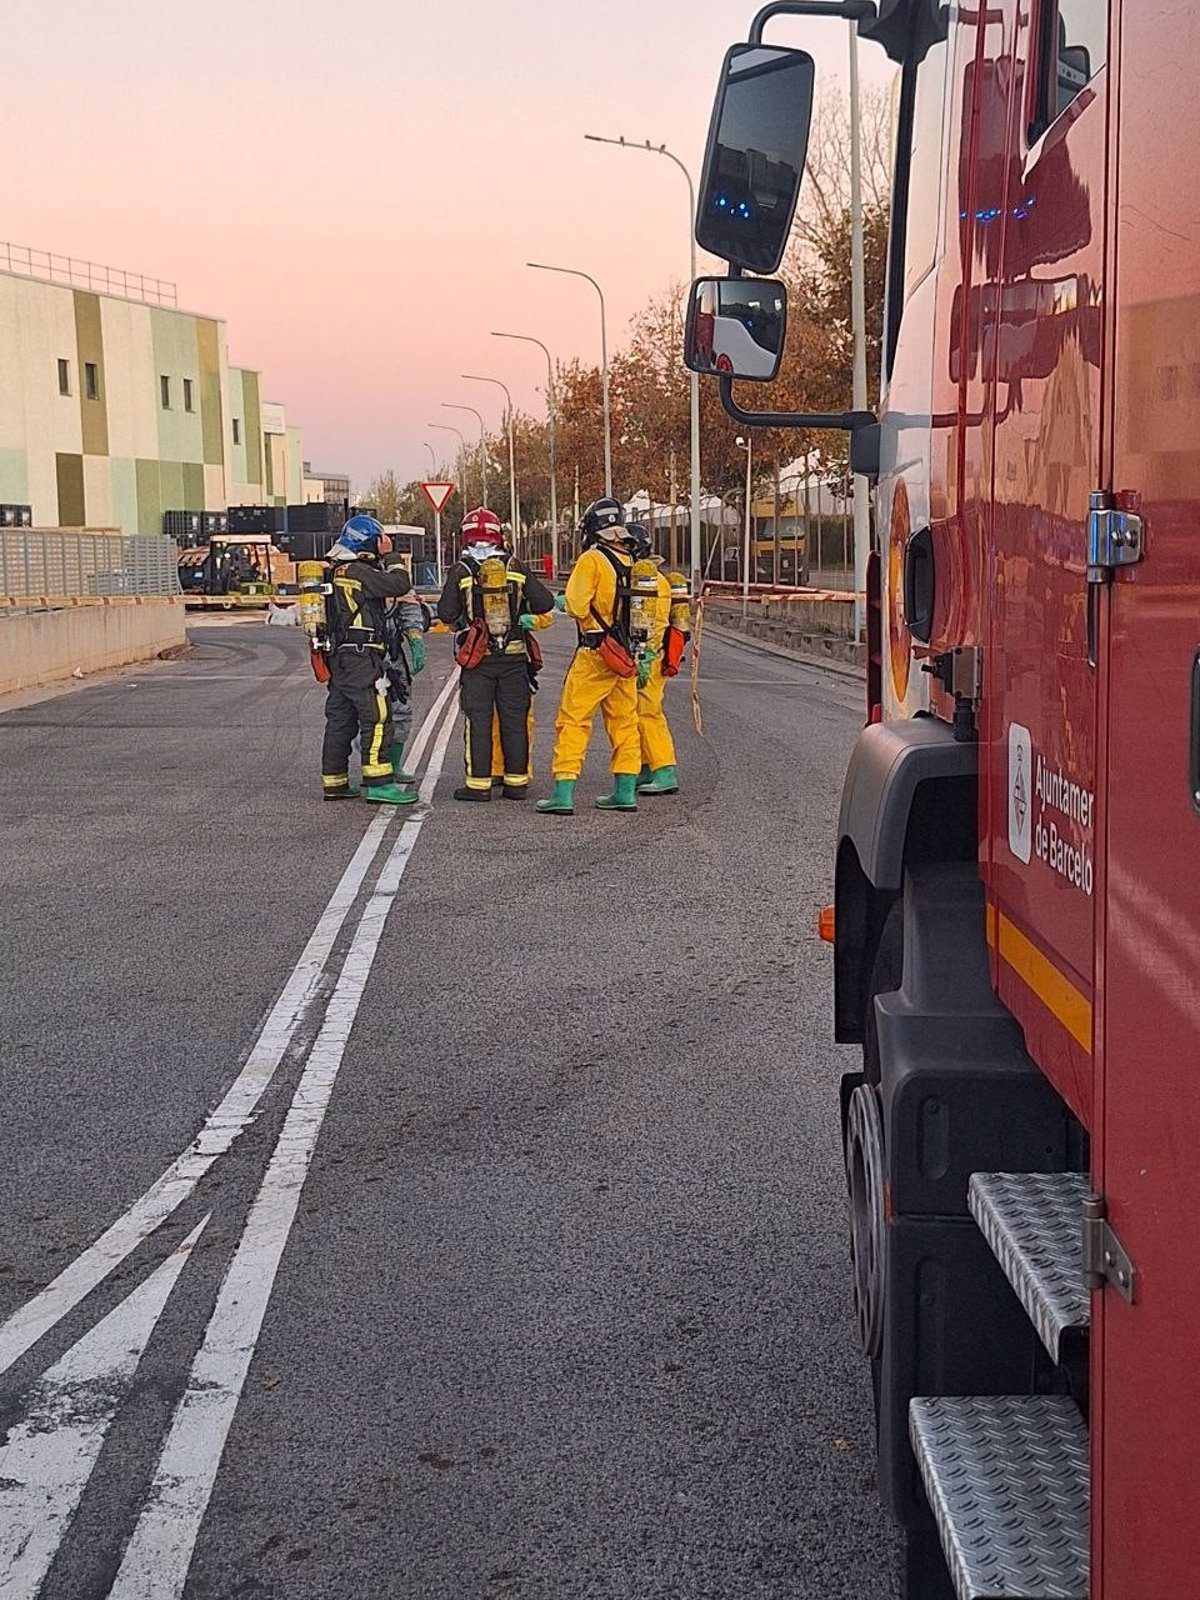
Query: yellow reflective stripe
516	577
516	780
337	780
1067	1004
373	764
479	783
377	770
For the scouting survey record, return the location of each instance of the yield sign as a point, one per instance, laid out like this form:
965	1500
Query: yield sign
437	494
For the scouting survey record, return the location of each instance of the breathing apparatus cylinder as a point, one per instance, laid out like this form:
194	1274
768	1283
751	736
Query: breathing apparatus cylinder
681	603
643	600
312	580
493	586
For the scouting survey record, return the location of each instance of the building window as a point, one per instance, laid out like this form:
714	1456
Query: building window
64	376
164	386
91	380
237	430
187	395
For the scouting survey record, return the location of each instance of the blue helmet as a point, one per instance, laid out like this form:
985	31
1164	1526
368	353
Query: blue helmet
361	533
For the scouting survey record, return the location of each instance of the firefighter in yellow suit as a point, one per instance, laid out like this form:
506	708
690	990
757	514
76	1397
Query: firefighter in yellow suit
658	774
597	598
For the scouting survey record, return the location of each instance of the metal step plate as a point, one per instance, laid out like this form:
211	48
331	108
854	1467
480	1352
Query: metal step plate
1034	1223
1007	1480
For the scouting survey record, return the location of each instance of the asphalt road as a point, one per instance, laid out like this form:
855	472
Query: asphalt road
501	1248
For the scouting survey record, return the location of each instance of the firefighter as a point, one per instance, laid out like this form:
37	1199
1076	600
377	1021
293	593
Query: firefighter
537	622
404	635
658	774
492	599
357	701
603	675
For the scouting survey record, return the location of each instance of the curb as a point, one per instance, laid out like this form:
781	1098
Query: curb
764	647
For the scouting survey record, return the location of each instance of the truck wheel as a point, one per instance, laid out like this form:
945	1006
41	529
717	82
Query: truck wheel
866	1166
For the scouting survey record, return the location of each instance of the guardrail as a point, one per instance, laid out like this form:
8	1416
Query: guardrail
25	262
68	565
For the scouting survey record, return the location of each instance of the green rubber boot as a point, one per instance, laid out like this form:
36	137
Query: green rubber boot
388	794
623	796
406	780
562	801
643	777
663	780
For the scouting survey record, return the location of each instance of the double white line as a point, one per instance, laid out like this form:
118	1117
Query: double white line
159	1553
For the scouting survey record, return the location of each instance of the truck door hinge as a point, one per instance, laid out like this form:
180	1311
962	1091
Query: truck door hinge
1114	537
1105	1259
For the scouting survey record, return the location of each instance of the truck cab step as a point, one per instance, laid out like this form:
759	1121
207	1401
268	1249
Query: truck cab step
1007	1481
1034	1223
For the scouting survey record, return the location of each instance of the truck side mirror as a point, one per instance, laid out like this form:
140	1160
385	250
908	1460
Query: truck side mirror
757	143
736	327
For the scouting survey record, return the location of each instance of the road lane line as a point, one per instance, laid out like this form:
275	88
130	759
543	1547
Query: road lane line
48	1457
230	1118
159	1554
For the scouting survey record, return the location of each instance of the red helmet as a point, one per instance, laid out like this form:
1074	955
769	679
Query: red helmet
482	526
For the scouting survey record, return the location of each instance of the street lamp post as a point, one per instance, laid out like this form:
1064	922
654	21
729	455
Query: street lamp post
526	338
573	272
661	150
747	444
448	427
514	513
437	519
478	415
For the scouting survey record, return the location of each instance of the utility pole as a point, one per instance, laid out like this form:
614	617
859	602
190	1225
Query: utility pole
858	308
747	444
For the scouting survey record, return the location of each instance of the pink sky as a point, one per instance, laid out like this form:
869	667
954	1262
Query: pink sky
319	174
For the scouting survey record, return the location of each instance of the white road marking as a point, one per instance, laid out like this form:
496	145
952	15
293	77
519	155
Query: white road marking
231	1117
159	1554
49	1456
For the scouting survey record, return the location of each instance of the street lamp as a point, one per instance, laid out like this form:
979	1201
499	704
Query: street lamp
448	427
472	377
526	338
432	457
573	272
661	150
450	406
747	444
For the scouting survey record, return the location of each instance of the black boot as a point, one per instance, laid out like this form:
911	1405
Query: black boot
466	793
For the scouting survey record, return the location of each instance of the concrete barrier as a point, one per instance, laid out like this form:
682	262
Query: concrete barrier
41	647
823	629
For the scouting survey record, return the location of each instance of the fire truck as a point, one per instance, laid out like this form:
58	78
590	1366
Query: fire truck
1017	875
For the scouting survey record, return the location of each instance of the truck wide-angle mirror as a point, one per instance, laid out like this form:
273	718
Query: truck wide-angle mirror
736	327
757	143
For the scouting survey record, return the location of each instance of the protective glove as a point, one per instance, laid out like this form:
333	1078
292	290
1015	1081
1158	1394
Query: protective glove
560	602
527	620
416	650
645	662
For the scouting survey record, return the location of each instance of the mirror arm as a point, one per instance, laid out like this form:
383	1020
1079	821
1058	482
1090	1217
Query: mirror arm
862	426
846	10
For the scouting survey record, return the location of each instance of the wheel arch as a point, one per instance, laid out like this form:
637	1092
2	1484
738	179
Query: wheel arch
911	795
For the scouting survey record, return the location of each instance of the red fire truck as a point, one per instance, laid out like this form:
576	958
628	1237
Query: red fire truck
1017	944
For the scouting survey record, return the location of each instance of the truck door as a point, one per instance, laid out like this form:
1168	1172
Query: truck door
1145	1373
1042	340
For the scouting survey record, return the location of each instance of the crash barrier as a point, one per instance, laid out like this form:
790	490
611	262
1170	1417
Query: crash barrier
71	640
52	564
810	621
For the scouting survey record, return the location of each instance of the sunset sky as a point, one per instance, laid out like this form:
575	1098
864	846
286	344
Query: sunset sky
356	187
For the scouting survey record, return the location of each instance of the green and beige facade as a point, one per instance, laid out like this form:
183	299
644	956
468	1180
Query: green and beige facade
113	411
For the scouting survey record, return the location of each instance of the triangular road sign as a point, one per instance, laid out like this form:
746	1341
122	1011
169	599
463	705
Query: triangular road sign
438	493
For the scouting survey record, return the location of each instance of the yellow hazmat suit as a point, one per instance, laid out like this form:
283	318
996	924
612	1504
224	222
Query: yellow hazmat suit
657	745
590	686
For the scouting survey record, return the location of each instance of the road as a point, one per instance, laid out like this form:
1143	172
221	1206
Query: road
440	1204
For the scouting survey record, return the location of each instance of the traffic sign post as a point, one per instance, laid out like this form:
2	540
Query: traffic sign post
437	494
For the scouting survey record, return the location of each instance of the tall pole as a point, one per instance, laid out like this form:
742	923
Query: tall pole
514	509
526	338
858	313
432	457
482	440
694	385
573	272
448	427
437	520
747	444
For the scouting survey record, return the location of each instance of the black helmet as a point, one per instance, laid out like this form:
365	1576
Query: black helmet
637	537
603	513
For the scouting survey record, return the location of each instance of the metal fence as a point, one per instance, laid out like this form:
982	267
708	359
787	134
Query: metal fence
24	262
56	563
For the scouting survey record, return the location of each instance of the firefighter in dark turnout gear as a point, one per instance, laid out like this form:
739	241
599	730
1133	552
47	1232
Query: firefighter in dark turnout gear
491	599
357	701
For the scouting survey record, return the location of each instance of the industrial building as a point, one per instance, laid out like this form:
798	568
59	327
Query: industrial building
117	408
